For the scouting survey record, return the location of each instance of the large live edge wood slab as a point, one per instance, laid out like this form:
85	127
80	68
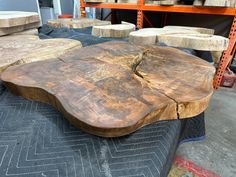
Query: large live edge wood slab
114	88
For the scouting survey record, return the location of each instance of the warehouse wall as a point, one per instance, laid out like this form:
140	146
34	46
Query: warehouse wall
19	5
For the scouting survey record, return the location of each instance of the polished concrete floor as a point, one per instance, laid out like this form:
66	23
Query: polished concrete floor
218	151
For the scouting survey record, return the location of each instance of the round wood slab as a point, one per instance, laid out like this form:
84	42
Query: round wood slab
115	88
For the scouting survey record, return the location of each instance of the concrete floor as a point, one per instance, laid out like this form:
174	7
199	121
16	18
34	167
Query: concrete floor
217	152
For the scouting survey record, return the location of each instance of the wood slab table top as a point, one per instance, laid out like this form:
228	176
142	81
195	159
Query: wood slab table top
114	88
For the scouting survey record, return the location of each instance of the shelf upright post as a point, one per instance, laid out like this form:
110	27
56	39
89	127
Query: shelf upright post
227	56
82	9
140	14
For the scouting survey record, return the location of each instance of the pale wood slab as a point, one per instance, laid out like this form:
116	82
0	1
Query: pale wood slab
127	1
143	37
167	2
17	18
197	29
15	29
198	3
77	23
19	49
181	36
203	42
218	3
114	88
115	31
149	35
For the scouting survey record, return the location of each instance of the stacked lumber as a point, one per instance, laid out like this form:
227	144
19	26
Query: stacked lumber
20	49
16	21
114	31
114	88
76	23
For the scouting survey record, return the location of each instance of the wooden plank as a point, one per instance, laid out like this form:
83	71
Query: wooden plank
76	23
114	88
17	18
19	49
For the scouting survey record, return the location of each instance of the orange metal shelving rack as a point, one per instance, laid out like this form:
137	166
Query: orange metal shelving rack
141	7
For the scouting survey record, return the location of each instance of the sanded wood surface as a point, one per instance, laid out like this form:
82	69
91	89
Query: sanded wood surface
77	23
17	18
114	88
15	29
19	49
114	31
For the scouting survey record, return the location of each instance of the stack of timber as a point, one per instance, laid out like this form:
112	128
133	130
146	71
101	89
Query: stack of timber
16	21
77	23
114	88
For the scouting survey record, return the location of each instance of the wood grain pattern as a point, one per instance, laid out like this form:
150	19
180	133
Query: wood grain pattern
114	88
20	49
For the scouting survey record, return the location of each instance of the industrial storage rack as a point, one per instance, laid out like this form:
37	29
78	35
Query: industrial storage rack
141	7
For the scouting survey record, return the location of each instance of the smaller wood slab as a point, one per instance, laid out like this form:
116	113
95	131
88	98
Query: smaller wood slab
17	18
19	49
113	31
76	23
203	42
15	29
